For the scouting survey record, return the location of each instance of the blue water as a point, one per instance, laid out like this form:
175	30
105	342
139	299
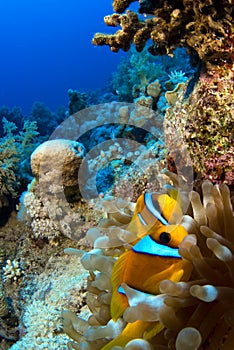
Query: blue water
46	49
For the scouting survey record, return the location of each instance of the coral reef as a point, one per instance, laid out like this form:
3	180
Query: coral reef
46	120
121	5
48	203
66	156
4	307
188	310
77	101
50	281
204	122
15	150
40	114
135	72
41	323
9	161
141	75
120	149
116	141
203	27
12	270
14	115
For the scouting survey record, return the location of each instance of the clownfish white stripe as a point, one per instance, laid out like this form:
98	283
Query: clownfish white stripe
141	219
122	291
150	206
148	246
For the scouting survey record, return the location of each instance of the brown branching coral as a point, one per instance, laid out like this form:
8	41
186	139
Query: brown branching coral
121	5
198	314
204	27
122	39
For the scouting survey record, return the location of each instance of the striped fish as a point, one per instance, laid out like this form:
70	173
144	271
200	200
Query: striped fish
153	257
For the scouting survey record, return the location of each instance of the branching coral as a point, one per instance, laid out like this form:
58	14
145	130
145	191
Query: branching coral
121	5
205	27
195	314
12	270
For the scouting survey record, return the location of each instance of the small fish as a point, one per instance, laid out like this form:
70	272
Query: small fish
152	258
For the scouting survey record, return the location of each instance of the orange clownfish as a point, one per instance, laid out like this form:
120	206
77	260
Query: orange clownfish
152	258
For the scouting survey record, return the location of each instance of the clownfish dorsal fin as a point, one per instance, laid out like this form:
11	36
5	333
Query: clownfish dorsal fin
153	205
170	207
119	301
147	214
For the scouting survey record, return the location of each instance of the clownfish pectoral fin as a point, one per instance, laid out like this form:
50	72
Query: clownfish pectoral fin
119	300
172	273
132	331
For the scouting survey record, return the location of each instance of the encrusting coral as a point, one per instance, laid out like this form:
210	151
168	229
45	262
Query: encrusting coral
205	123
4	307
195	314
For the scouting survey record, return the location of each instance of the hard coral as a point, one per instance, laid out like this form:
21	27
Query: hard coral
130	25
204	27
121	5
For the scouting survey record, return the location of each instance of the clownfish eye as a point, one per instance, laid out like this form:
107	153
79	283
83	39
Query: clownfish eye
165	237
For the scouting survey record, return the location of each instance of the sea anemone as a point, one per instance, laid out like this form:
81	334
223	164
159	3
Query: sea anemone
204	306
198	314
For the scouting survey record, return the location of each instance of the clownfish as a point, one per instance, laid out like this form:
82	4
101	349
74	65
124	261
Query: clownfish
153	257
152	211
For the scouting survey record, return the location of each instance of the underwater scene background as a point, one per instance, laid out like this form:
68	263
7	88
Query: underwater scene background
116	175
46	48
